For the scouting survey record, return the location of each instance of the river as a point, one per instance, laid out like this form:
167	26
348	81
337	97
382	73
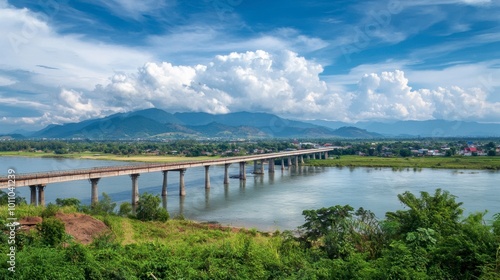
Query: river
273	201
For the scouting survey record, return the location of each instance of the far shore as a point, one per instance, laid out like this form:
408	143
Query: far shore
454	162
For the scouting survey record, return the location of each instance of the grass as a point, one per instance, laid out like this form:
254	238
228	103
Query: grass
457	162
132	231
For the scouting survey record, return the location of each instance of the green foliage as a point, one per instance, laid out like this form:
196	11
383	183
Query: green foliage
68	202
52	231
4	198
148	208
340	231
439	212
103	207
125	209
429	240
50	211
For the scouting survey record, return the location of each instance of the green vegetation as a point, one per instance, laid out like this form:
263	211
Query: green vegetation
428	239
455	162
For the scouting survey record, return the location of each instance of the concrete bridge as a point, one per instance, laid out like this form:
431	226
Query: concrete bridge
38	181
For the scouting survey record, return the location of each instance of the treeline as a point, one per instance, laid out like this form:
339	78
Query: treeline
428	239
185	147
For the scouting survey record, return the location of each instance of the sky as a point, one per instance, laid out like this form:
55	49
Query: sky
70	60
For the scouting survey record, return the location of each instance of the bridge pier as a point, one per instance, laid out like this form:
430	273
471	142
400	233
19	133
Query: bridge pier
282	164
207	177
41	195
301	159
255	167
261	166
326	155
271	165
94	197
289	162
33	195
226	173
182	186
243	174
296	162
135	189
314	155
164	186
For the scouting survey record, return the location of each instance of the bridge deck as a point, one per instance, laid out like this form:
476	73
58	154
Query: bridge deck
43	178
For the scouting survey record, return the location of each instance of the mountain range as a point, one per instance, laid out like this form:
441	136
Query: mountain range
157	124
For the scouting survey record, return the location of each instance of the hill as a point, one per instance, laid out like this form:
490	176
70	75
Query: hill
157	124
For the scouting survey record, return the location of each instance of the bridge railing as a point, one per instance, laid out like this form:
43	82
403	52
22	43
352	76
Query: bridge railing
72	172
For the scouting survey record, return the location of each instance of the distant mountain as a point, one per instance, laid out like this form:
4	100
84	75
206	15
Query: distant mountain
14	136
155	123
430	128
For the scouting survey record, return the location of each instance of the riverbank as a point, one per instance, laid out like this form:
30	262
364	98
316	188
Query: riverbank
456	162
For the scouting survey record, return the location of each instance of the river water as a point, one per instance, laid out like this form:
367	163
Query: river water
273	201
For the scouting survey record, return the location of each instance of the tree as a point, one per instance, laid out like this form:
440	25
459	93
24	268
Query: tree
67	202
148	208
103	207
340	231
439	212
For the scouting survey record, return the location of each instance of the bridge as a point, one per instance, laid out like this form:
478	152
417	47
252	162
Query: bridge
39	181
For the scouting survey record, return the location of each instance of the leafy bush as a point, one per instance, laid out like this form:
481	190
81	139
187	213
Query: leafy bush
50	211
148	208
68	202
52	231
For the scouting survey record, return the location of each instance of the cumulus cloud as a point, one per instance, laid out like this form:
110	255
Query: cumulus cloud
289	85
388	96
282	83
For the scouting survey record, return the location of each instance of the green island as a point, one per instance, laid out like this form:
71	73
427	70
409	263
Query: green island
428	238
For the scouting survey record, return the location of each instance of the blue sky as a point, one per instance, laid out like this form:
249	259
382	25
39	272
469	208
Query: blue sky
67	61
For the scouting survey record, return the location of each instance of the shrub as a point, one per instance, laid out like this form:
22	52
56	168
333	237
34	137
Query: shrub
148	208
52	231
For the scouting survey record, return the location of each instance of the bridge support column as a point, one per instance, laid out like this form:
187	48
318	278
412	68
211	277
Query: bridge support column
243	174
135	189
255	167
207	177
182	186
271	165
33	195
296	161
41	195
282	164
326	155
164	186
226	173
289	162
261	166
301	159
314	155
94	197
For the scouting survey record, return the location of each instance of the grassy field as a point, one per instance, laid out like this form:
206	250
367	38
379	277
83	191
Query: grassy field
483	162
87	155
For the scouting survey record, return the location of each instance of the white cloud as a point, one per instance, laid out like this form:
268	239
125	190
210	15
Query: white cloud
282	83
6	81
29	41
388	96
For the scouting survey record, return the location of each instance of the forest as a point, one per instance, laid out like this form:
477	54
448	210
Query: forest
429	238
